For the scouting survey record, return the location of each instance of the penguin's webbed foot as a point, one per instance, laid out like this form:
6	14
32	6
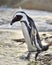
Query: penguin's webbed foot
36	55
28	56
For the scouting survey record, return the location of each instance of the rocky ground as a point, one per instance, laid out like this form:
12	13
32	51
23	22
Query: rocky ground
13	52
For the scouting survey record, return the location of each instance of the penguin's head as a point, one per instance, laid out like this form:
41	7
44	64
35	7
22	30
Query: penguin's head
19	15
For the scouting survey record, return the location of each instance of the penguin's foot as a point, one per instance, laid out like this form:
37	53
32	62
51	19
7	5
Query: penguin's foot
36	55
28	56
25	58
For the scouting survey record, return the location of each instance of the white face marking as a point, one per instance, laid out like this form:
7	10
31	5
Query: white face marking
24	18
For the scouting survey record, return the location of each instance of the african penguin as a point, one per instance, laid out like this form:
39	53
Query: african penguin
30	33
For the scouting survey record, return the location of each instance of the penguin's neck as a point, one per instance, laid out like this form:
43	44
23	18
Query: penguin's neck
25	19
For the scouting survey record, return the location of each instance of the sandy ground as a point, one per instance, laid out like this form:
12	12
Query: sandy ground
12	52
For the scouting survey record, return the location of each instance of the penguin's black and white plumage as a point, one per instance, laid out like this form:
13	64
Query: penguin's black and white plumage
30	33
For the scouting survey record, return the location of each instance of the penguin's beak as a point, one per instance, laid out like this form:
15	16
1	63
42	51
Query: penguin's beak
16	18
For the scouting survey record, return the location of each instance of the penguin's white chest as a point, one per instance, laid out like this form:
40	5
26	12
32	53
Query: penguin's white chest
27	37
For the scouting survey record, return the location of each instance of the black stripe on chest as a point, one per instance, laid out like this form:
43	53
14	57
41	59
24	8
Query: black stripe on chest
28	28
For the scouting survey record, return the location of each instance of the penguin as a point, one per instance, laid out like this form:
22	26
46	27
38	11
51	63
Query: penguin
30	33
